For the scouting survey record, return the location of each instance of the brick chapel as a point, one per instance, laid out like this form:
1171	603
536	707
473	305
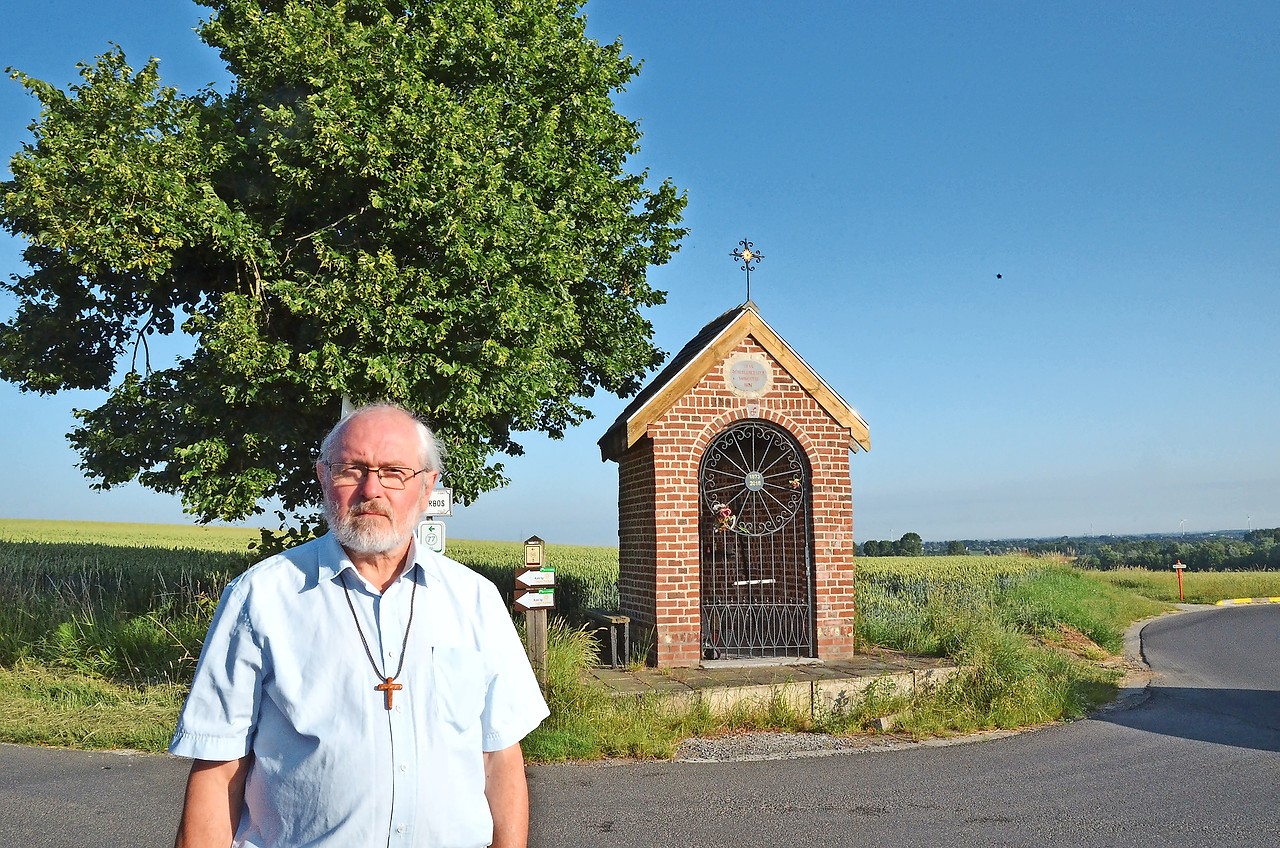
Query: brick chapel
735	510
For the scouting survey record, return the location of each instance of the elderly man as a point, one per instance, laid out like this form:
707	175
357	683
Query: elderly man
356	690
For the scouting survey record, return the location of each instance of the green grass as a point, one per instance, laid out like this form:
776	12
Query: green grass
100	622
905	602
586	723
128	614
100	626
1060	596
1030	636
102	533
1198	587
1033	638
40	706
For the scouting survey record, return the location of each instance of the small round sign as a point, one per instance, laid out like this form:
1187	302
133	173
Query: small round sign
748	375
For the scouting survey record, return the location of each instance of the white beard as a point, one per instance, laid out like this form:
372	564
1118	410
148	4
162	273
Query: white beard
366	534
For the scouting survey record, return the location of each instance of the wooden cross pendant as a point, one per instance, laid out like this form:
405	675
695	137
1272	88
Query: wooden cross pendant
389	687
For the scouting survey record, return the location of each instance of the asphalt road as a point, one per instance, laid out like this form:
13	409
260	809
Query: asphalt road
1197	764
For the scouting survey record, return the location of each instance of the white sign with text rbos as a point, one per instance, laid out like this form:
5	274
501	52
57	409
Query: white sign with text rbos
440	502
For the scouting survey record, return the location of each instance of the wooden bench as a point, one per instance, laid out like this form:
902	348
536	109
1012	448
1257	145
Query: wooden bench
613	622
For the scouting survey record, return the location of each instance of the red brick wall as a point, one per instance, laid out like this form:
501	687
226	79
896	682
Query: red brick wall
637	548
658	516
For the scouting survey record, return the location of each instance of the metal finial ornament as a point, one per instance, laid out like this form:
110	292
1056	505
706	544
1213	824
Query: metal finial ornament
747	254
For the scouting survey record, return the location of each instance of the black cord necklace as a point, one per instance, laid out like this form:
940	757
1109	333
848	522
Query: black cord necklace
388	684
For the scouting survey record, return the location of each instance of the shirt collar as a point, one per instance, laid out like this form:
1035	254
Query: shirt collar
333	560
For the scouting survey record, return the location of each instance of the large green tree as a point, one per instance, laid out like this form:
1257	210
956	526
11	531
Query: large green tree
426	201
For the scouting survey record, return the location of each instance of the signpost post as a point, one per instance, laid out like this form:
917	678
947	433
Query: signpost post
535	594
1179	567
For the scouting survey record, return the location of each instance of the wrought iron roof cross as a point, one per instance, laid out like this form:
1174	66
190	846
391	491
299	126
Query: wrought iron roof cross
747	254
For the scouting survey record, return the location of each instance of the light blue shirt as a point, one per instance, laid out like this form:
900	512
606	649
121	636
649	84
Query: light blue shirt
283	675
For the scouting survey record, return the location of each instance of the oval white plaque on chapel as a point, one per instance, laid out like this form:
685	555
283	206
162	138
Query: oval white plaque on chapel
748	374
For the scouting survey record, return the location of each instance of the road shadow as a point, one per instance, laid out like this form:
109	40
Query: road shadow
1244	718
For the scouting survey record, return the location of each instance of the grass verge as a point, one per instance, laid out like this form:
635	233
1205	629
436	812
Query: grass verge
1198	587
40	706
97	642
586	723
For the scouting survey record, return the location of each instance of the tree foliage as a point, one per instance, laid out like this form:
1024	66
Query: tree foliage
425	201
1259	550
909	545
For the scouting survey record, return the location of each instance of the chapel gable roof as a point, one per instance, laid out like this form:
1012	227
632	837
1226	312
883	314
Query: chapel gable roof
705	351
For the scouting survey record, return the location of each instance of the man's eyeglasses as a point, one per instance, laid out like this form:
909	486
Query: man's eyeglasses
353	474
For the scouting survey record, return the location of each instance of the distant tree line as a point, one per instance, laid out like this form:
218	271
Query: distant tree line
909	545
912	545
1258	550
1230	550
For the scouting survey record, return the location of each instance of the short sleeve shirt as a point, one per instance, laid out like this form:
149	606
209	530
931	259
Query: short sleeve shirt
285	675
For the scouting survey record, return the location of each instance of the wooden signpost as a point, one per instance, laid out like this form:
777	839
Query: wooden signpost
535	594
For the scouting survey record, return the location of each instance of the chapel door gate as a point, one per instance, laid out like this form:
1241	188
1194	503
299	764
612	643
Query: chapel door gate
755	531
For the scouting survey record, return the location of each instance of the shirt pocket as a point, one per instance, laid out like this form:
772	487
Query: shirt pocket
459	686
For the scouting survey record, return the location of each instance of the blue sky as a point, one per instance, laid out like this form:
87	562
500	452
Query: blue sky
1117	164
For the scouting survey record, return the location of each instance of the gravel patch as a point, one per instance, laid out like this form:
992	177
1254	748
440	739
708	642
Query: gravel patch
740	747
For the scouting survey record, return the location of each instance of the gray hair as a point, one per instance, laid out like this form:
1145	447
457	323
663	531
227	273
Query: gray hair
430	453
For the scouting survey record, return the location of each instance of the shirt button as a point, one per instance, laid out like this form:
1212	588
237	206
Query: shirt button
400	829
399	708
404	768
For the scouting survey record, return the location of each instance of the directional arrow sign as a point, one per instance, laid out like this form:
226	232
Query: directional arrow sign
431	535
535	599
533	578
